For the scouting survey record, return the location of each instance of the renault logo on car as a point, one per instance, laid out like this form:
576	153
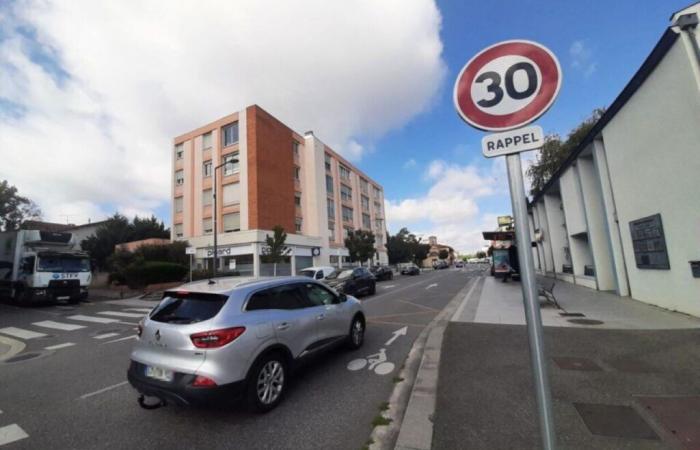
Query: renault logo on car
157	335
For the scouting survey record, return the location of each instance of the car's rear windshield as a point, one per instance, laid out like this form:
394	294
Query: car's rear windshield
185	308
308	273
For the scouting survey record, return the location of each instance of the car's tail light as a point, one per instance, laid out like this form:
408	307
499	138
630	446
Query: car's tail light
201	381
216	338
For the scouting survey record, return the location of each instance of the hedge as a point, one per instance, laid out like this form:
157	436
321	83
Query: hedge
141	274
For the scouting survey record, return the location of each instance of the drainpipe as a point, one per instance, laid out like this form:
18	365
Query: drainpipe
685	25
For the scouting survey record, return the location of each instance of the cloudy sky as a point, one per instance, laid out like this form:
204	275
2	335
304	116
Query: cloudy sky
92	93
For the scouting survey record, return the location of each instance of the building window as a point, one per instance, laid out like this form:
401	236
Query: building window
178	204
178	230
232	165
297	173
345	193
347	214
206	197
366	222
207	226
328	161
377	208
379	223
344	172
377	192
232	193
297	224
331	231
378	239
347	231
206	169
230	134
232	222
365	203
179	151
295	148
364	186
207	141
330	206
179	177
329	184
297	199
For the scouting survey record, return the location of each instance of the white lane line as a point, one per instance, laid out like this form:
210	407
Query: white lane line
390	286
129	323
11	433
92	319
58	325
465	300
121	314
143	310
57	346
21	333
133	336
108	388
431	285
105	336
403	288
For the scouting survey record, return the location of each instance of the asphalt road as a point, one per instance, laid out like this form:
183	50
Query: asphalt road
76	397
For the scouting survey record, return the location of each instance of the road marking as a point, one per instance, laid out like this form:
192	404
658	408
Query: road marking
108	388
121	314
11	433
21	333
105	336
402	288
92	319
461	307
418	305
431	285
128	323
142	310
133	336
396	334
58	325
390	286
56	347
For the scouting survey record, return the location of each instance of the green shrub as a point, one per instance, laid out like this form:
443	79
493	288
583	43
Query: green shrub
143	273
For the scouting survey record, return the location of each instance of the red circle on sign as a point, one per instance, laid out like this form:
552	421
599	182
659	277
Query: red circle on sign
548	86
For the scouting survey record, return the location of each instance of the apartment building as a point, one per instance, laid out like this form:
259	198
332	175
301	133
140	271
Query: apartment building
274	176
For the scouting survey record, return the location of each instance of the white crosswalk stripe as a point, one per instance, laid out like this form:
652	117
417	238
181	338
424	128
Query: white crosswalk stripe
121	314
56	347
92	319
11	433
21	333
142	310
58	325
106	335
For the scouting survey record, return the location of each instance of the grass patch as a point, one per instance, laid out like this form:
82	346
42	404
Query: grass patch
384	406
397	380
369	442
380	420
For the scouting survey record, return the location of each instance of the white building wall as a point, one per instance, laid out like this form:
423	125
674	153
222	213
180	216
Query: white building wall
546	244
652	148
557	234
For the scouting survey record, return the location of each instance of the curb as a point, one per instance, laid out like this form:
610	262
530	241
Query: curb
15	347
412	402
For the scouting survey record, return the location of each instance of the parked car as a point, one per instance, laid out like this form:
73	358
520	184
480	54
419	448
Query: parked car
238	338
410	269
351	281
442	264
382	273
317	273
459	264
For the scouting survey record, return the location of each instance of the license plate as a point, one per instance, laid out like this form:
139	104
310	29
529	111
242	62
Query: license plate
159	373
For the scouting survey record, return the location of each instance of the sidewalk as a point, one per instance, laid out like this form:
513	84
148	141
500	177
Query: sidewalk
628	382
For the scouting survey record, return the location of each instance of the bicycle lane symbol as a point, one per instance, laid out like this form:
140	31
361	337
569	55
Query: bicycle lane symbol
376	362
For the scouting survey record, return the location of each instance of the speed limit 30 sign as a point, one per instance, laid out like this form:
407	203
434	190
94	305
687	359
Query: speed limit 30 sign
507	85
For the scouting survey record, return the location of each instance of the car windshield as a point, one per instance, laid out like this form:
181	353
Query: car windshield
184	308
54	263
307	273
340	274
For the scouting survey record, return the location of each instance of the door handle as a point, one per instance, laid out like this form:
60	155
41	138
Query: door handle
321	317
283	326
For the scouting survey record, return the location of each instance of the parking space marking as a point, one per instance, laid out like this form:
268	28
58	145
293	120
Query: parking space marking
108	388
92	319
58	325
133	336
21	333
105	336
57	346
11	433
121	314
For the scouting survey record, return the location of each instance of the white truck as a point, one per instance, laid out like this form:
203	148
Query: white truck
42	266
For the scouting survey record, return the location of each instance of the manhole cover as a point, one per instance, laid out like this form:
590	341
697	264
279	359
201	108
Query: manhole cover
678	415
614	421
571	314
23	357
571	363
586	321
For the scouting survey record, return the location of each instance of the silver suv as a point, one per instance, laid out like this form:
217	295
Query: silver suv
239	337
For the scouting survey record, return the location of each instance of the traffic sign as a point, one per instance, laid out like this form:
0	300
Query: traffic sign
514	141
507	85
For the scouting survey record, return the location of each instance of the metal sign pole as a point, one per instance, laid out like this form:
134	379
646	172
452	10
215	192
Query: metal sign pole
190	267
531	301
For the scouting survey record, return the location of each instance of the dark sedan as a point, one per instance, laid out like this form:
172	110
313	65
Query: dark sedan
410	270
382	273
355	282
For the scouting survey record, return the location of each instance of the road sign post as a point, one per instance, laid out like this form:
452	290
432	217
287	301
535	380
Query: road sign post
504	88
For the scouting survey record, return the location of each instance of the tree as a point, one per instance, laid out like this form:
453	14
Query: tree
148	228
15	209
555	151
481	254
443	254
404	246
360	245
275	249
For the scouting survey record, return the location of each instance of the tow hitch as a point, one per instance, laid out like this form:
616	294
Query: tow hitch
144	405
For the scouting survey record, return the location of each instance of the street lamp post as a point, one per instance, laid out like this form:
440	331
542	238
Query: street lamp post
216	214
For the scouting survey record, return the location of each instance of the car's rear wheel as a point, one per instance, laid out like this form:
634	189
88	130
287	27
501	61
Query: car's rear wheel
357	333
373	288
267	383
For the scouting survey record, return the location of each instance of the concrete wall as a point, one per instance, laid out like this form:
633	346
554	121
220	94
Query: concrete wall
557	231
652	150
